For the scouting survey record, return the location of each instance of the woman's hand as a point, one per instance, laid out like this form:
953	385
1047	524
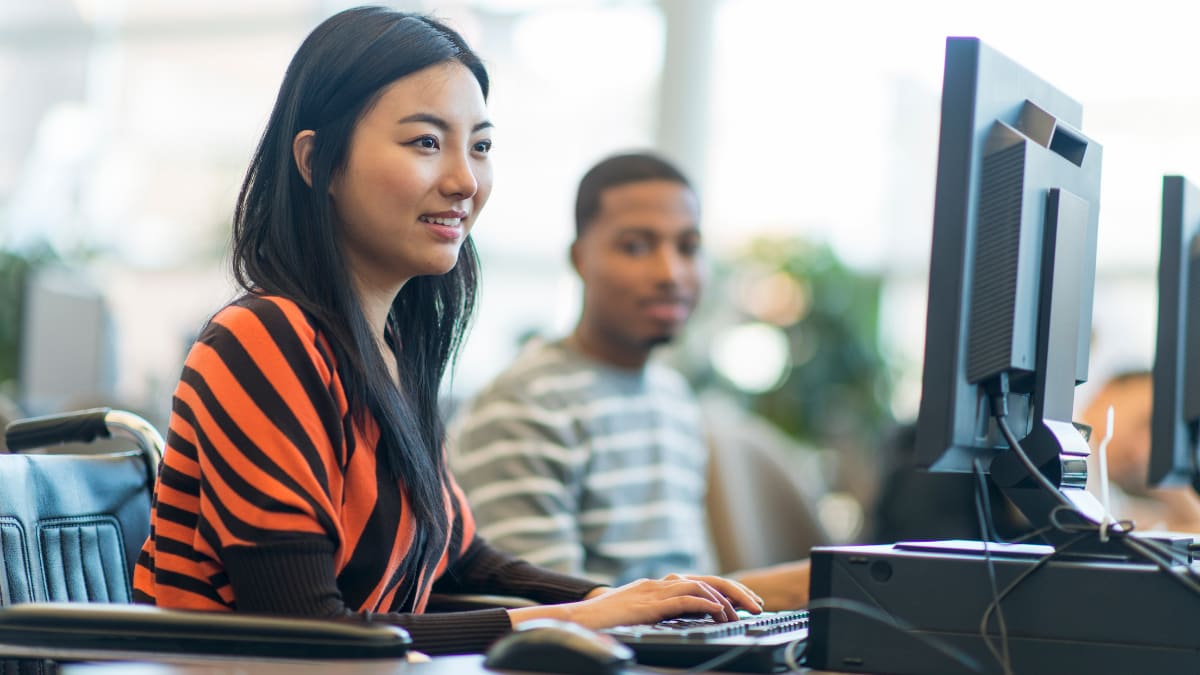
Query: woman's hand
651	600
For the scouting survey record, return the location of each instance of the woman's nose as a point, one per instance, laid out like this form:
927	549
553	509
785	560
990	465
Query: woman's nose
459	178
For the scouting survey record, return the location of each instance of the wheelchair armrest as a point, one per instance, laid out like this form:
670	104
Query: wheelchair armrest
67	630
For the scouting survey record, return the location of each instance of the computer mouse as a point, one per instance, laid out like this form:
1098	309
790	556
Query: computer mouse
549	646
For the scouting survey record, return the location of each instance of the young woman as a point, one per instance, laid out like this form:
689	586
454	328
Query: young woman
304	472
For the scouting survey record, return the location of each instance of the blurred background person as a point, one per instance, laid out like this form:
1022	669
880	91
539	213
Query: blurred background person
585	455
1131	395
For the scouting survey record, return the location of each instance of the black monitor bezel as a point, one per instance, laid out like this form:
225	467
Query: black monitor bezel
981	86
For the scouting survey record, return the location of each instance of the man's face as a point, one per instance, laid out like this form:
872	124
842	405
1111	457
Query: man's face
639	260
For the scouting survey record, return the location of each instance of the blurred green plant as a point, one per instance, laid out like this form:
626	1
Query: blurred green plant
834	387
15	269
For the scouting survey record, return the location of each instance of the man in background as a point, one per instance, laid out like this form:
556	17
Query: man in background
585	455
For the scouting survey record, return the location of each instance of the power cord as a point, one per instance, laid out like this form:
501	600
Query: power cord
1159	554
997	389
983	504
984	514
998	597
1122	531
793	653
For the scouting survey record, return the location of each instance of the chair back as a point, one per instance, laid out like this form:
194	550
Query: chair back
71	529
72	525
761	510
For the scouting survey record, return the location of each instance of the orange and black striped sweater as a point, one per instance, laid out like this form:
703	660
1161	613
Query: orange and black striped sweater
270	499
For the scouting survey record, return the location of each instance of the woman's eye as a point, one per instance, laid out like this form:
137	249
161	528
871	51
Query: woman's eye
427	142
483	147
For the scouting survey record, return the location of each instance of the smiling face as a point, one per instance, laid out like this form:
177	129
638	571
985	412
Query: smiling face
417	175
639	260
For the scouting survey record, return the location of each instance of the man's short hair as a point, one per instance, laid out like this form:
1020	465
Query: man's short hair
618	170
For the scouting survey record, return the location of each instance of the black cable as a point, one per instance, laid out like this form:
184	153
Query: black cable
1032	534
1085	525
1143	547
1151	550
869	612
793	653
1034	472
981	489
1169	552
997	389
993	533
995	604
1004	657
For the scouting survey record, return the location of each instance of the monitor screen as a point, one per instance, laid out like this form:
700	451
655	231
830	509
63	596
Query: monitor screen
1176	415
67	351
1011	272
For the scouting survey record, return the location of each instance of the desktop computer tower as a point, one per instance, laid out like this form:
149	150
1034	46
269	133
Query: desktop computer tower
915	608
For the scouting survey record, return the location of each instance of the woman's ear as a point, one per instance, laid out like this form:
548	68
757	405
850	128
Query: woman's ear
302	153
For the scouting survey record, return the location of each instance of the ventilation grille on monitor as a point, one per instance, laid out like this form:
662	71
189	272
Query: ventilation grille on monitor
994	289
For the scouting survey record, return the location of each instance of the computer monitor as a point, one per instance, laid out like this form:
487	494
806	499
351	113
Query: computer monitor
1011	277
1008	323
67	352
1175	421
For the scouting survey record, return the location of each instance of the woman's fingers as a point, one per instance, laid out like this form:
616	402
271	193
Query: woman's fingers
728	613
699	587
682	605
650	600
730	593
737	593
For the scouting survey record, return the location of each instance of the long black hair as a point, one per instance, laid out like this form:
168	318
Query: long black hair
286	242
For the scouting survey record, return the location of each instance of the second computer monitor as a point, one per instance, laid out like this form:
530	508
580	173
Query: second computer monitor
1175	422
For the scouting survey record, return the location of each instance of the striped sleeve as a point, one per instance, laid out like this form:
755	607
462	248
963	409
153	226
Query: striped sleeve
296	578
484	569
477	567
256	402
520	466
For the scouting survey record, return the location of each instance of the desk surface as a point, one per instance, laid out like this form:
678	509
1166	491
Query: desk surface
446	665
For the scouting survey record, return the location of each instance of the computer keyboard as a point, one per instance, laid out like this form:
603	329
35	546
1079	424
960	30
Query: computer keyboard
756	643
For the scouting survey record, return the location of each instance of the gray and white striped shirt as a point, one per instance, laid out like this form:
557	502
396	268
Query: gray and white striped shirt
586	468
